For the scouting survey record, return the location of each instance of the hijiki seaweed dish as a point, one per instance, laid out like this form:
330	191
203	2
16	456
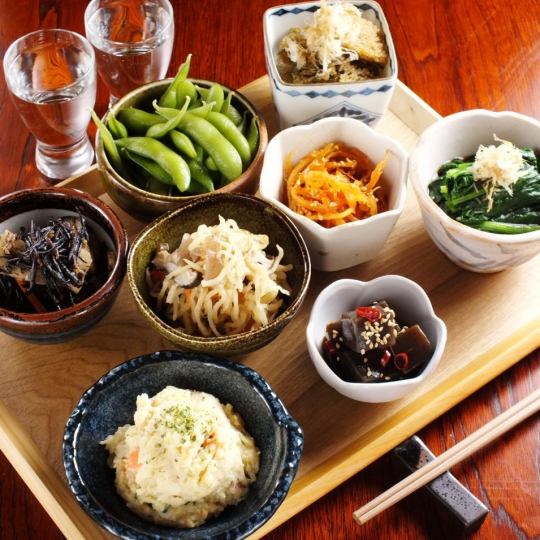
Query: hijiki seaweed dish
51	267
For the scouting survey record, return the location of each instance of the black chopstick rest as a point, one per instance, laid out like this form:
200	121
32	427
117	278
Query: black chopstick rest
464	511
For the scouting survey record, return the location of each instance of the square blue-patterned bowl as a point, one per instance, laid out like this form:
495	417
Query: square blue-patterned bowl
110	403
305	103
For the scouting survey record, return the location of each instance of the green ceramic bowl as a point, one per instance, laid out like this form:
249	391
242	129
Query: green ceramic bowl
250	213
146	205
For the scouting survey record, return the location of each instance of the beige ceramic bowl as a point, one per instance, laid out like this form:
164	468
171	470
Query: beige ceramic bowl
145	205
251	213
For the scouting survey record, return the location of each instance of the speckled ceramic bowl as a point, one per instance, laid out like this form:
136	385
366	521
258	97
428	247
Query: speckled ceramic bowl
250	213
145	205
460	134
18	209
110	403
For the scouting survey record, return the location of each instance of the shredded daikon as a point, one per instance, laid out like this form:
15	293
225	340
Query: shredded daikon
220	280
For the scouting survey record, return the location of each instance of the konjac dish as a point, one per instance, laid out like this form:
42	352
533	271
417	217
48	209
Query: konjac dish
368	344
184	459
219	281
497	190
335	184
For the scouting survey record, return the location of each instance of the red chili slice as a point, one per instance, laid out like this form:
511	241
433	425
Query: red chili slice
385	358
329	346
401	361
370	313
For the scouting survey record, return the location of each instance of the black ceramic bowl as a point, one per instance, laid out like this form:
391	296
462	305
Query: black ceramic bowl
110	403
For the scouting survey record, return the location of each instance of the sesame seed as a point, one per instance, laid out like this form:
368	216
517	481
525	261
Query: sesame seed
387	378
362	352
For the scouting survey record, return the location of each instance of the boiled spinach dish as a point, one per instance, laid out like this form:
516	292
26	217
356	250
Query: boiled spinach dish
497	190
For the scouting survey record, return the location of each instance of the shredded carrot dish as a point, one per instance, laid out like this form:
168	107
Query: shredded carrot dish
335	184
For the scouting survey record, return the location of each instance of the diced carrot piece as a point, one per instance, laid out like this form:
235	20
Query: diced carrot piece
133	460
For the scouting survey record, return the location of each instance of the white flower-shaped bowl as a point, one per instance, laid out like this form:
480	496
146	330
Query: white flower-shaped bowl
412	306
305	103
460	135
353	243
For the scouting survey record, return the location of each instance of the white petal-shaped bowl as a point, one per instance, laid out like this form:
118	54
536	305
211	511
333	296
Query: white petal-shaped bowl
456	135
412	306
353	243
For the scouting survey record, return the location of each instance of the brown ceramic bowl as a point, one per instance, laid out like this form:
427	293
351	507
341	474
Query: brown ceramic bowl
36	204
146	205
252	214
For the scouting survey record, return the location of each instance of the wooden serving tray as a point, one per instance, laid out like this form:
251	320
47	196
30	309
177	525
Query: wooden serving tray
493	322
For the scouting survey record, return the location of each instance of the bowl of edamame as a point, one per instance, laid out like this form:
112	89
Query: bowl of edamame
168	142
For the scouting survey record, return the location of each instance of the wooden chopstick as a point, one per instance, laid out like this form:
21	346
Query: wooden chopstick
480	438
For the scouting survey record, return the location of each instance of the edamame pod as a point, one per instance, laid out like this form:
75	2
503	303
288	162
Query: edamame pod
234	115
226	104
138	121
183	143
199	174
216	95
203	92
183	90
160	130
167	159
150	166
195	188
168	98
117	129
243	123
167	112
227	128
253	136
203	109
157	187
109	145
214	143
200	152
211	164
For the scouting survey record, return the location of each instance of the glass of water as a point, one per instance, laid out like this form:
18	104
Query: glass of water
51	75
133	41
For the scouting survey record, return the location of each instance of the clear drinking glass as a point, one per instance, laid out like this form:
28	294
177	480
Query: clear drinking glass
52	78
133	41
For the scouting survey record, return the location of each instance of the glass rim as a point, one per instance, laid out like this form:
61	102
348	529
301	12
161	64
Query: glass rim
91	9
11	53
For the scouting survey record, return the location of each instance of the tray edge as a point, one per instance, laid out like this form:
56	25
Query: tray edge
34	469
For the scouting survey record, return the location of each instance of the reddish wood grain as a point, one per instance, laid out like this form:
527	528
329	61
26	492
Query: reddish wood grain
456	54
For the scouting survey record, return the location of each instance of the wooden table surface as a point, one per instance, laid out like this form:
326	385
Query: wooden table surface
456	54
